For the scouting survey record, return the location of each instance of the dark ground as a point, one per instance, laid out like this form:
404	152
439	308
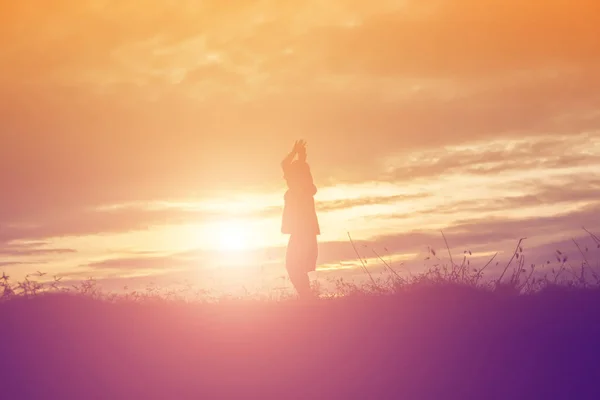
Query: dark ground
431	343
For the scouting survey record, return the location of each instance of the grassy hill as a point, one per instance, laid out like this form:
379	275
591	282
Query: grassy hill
439	336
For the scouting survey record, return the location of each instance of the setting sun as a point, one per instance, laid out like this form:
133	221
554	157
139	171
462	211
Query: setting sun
233	236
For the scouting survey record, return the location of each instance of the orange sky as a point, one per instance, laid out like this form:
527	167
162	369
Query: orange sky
134	140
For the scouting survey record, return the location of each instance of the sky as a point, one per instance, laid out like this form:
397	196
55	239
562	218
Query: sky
143	144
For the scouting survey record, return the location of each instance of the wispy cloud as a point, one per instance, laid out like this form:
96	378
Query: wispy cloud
488	158
34	252
89	222
140	263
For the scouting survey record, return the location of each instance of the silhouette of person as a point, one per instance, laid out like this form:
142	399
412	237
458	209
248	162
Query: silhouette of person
300	219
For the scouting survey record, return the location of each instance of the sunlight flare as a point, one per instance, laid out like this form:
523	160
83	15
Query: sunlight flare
233	236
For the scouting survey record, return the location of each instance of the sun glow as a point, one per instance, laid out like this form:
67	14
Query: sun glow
233	236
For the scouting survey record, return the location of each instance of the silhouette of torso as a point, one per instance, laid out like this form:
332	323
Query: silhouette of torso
299	214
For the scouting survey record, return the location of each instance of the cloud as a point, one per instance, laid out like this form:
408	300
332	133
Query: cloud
139	217
465	38
535	225
546	254
544	153
140	263
11	251
336	205
194	261
565	194
123	89
81	222
13	263
476	234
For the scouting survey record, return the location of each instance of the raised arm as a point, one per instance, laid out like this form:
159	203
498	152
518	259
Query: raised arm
287	161
299	150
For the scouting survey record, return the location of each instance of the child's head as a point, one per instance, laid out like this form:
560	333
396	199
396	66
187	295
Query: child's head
298	172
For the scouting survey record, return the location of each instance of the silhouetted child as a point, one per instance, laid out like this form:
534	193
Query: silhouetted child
300	219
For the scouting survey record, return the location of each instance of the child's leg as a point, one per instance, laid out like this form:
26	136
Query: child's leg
296	265
301	282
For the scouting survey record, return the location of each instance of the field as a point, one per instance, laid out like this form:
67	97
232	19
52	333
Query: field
449	333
